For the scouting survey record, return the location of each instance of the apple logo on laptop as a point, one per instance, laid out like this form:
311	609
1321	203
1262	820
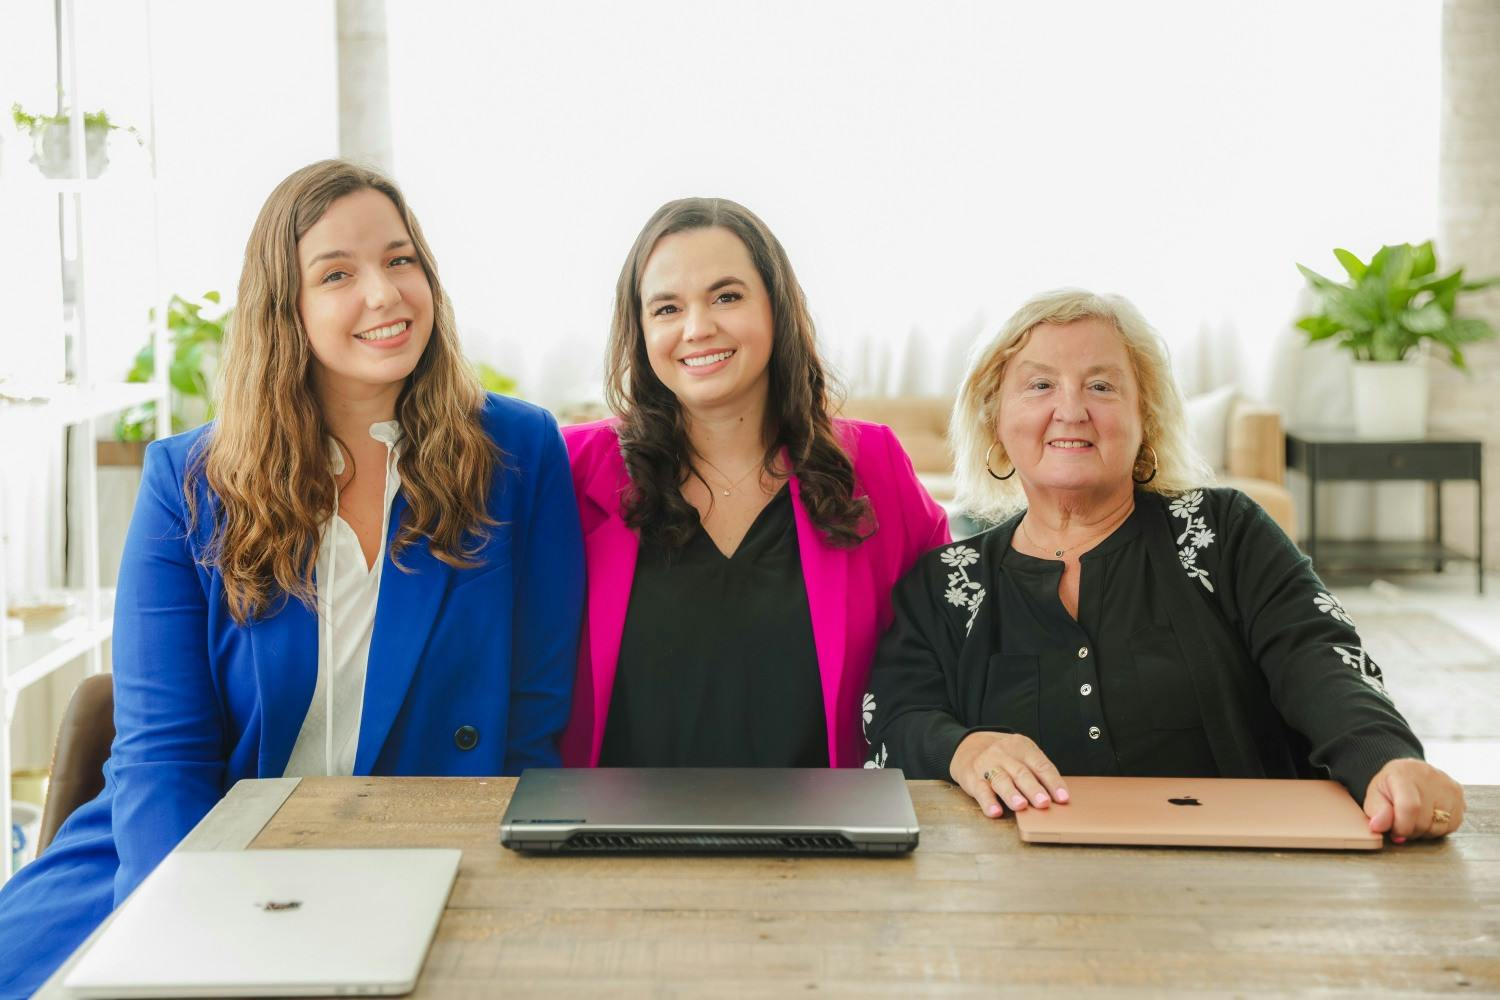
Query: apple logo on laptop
1186	800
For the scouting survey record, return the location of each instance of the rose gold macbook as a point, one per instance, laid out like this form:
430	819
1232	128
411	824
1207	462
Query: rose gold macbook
1203	812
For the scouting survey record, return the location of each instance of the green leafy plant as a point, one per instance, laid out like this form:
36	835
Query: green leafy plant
494	381
34	124
196	339
1386	308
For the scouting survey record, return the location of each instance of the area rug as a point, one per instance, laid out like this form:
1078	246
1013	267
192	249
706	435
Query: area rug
1445	681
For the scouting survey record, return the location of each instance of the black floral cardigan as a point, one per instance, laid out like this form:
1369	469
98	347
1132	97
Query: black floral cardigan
1280	675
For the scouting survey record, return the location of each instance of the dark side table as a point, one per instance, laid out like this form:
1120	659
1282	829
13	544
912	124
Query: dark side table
1337	455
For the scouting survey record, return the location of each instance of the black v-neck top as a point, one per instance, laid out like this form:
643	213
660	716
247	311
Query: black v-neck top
717	663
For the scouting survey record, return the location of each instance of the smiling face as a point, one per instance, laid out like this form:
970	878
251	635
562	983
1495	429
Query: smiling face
364	300
1070	412
706	318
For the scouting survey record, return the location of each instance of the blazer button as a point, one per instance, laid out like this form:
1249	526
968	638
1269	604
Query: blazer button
467	738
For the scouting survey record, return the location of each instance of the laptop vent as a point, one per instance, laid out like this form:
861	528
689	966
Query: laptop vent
821	843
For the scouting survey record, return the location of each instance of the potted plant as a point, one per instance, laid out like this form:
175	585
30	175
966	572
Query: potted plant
52	137
1386	314
196	339
495	381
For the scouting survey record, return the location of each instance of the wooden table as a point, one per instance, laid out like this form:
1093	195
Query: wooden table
970	911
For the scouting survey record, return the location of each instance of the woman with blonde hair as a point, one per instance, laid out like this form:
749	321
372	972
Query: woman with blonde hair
364	565
741	540
1123	617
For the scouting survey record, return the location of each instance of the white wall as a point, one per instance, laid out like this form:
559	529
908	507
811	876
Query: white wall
927	166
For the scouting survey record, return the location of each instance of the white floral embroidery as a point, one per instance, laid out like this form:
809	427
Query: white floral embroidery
1196	572
1187	504
869	712
1329	605
1354	657
881	756
1357	659
960	555
963	592
1196	535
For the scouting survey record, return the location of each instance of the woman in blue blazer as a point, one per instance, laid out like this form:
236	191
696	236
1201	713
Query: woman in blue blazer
360	510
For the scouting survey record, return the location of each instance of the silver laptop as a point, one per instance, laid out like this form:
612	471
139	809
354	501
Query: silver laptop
823	810
272	923
1203	812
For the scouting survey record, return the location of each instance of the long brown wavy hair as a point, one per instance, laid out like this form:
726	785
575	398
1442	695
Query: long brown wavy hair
265	459
653	428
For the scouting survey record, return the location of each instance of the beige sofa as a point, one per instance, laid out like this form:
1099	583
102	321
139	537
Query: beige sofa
1255	461
1254	448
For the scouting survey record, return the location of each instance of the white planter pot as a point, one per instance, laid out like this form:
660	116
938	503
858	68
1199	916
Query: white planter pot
54	151
1390	399
25	824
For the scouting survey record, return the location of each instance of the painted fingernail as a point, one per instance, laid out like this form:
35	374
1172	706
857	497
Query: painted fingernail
992	811
1041	798
1018	801
1061	795
1398	840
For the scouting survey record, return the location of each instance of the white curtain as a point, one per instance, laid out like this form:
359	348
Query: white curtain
927	166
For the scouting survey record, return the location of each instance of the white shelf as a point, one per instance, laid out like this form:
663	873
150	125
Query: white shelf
48	645
37	409
64	405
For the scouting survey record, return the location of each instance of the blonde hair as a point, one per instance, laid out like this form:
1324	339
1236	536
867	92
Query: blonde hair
265	458
1179	467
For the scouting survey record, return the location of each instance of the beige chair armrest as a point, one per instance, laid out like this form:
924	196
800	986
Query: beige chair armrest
1256	445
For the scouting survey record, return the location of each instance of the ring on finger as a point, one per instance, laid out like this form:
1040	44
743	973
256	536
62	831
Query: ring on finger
991	773
1441	815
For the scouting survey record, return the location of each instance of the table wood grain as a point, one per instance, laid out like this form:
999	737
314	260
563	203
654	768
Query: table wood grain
973	910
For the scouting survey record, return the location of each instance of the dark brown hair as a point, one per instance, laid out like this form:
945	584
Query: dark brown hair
653	428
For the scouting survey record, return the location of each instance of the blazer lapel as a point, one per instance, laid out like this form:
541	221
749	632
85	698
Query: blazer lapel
611	550
284	649
825	572
407	609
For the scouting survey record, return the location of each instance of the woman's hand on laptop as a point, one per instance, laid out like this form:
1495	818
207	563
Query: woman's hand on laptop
1410	798
1008	768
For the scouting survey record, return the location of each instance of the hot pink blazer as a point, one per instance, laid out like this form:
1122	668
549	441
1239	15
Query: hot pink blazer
848	590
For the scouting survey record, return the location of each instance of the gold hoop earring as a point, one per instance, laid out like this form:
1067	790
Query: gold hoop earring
991	471
1155	466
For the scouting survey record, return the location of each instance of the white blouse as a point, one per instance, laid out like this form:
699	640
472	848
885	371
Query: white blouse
348	594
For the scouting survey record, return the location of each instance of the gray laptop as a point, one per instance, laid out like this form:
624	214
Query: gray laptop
271	923
821	810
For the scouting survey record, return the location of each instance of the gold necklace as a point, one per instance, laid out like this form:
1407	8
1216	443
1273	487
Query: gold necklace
730	488
1058	553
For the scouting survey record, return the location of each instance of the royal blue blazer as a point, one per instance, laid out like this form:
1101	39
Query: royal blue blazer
201	702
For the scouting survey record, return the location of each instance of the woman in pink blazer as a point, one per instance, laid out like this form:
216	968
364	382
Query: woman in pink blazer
741	543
